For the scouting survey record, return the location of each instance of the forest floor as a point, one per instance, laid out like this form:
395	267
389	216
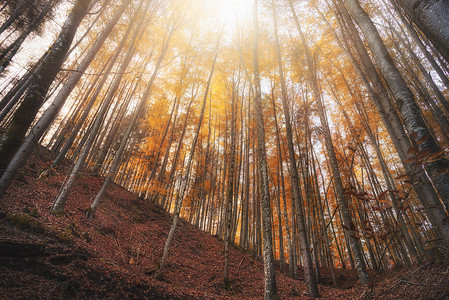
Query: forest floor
112	256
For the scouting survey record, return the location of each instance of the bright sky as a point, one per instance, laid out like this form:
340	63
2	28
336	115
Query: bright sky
229	12
221	12
35	46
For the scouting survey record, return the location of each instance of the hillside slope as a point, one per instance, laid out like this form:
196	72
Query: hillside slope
112	256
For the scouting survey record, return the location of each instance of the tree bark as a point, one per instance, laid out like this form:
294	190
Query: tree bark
431	17
184	182
30	142
270	291
414	123
309	276
45	74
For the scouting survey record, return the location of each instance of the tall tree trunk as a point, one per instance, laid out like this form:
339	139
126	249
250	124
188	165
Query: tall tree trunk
309	276
414	123
431	17
270	291
230	185
45	74
345	213
181	192
30	142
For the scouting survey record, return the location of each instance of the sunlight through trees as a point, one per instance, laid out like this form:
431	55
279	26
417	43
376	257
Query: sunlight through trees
312	133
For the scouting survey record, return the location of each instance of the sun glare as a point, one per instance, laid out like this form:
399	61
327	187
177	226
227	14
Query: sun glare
228	13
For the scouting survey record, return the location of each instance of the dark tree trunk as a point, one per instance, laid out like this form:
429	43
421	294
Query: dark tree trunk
44	76
431	16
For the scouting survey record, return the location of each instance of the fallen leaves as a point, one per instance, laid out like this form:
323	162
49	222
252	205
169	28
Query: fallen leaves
112	255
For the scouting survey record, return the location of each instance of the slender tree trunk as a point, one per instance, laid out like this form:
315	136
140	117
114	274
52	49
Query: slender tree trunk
269	267
61	200
132	124
180	195
230	185
309	276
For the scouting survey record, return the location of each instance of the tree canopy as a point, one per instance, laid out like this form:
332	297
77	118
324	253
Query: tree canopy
311	132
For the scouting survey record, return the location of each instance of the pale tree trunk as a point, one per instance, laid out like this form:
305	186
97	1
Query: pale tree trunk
184	181
138	113
414	123
270	291
245	199
345	213
224	174
230	185
203	199
281	185
278	189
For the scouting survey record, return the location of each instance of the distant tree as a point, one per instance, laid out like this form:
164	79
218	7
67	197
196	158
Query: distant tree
185	181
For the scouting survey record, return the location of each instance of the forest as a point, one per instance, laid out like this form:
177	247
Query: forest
310	136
